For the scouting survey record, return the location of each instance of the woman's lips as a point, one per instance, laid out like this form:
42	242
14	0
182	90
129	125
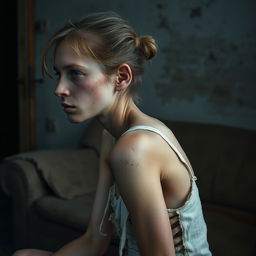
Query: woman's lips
68	108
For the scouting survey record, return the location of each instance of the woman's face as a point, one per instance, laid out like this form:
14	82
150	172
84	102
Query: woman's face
85	91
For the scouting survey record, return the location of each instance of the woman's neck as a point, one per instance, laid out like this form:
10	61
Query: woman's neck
120	116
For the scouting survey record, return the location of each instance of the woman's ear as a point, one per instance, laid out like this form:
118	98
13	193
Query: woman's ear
123	77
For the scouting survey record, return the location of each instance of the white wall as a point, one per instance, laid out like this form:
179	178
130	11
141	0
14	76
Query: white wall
204	71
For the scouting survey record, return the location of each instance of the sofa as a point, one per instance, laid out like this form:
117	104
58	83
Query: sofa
52	191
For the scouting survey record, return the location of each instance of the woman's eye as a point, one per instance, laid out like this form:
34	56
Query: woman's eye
76	74
57	75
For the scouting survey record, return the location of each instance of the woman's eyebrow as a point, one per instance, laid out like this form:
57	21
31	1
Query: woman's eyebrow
70	66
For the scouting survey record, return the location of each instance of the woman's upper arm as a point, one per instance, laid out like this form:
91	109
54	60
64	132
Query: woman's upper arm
101	197
137	175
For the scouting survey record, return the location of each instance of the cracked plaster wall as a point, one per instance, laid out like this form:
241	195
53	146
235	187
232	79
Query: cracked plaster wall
204	71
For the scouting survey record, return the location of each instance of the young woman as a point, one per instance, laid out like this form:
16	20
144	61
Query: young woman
146	189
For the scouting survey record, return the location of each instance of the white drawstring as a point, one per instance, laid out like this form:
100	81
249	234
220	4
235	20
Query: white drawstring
123	236
104	215
111	217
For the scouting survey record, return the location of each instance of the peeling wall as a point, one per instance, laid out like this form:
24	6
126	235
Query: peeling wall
204	71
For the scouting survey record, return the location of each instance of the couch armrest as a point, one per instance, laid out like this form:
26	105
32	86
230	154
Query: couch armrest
21	181
29	176
67	172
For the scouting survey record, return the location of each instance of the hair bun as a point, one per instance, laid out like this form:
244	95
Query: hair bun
147	46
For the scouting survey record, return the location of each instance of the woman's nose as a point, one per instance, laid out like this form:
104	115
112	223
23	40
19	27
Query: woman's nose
62	89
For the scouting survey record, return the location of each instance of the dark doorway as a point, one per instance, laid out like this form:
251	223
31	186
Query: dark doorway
9	139
9	124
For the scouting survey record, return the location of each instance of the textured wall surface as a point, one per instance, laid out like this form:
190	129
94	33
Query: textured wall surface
204	71
208	60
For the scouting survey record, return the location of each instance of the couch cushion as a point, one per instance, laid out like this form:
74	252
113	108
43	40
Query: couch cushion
230	232
69	173
223	160
73	213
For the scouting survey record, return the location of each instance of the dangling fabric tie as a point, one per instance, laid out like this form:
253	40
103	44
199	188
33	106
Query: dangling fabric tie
123	235
104	215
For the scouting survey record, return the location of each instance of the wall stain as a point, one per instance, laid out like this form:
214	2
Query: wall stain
205	66
212	56
160	6
195	7
163	22
196	12
233	47
209	3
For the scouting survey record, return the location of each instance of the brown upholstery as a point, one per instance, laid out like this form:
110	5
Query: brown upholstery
56	167
223	160
230	233
77	210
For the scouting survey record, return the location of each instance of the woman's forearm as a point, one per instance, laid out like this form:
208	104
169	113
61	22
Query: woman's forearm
82	246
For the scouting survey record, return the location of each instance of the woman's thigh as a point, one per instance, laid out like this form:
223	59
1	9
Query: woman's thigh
31	252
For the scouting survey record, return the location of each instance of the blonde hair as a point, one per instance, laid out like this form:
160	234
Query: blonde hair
108	39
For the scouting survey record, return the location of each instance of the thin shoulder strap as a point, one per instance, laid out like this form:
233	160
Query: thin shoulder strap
152	129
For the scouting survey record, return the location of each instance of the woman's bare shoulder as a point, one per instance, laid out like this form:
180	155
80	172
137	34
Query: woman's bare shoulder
137	146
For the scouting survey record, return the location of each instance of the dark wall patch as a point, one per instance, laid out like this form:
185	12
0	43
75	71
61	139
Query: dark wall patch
196	12
210	2
212	56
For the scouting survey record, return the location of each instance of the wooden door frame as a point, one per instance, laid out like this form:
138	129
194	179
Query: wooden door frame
26	70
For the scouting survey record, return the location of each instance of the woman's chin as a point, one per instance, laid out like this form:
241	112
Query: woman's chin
76	119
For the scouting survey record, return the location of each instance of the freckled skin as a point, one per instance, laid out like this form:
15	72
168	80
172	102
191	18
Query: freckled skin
82	83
